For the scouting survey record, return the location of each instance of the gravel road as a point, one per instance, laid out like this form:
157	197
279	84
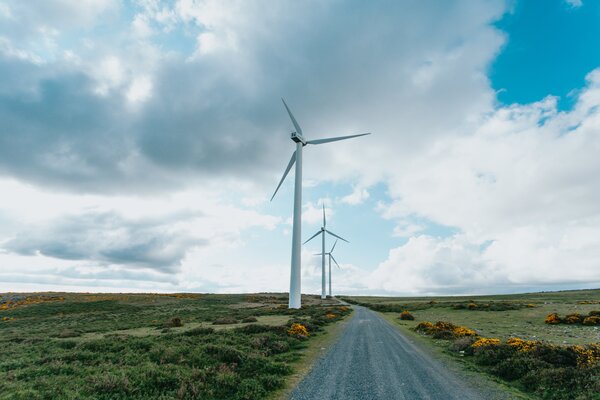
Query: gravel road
373	360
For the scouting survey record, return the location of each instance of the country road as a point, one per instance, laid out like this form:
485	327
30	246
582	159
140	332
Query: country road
373	360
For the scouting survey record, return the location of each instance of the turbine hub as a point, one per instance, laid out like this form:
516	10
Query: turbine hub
296	137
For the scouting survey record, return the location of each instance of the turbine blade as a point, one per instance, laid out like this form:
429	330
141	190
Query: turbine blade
335	139
312	237
336	263
331	251
298	129
324	220
287	170
339	237
319	254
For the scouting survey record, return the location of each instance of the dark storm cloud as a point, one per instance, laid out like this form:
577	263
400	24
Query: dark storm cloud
108	238
57	133
341	66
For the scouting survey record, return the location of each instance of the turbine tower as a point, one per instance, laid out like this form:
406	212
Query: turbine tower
330	254
322	231
298	138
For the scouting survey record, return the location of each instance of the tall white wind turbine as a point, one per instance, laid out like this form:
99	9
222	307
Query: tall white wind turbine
322	231
297	136
331	257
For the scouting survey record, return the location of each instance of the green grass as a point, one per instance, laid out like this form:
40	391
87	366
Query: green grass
121	346
524	322
552	369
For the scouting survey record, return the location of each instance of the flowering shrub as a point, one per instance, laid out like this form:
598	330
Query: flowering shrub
552	319
331	315
444	330
472	306
16	302
551	371
461	331
573	318
343	308
483	342
406	315
587	356
298	330
522	345
6	319
424	326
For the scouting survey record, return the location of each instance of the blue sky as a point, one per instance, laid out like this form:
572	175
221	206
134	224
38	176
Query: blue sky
140	142
549	50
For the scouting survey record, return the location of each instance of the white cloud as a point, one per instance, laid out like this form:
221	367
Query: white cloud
517	182
574	3
139	90
358	195
523	183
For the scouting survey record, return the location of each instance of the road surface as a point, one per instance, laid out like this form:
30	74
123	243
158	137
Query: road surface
373	360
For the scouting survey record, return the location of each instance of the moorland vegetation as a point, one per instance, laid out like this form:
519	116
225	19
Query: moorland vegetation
141	346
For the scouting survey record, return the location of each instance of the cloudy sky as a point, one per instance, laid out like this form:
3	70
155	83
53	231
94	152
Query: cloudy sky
140	142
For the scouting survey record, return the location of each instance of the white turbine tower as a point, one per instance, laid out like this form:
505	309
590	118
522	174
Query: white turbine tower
322	231
330	255
295	283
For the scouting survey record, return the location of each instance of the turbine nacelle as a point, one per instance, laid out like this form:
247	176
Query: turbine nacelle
298	138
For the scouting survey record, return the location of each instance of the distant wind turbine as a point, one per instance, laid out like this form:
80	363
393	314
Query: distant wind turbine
330	255
295	277
322	231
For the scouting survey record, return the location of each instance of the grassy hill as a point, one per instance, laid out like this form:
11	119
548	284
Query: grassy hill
167	346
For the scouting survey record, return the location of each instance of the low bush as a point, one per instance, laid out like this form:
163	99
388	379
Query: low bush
298	330
224	321
591	319
249	319
407	316
552	319
492	306
483	342
174	323
444	330
552	372
462	344
573	318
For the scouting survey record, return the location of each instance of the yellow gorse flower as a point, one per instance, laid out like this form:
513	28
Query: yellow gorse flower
298	330
483	342
522	345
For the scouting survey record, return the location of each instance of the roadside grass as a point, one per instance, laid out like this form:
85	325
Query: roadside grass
130	346
545	361
459	365
524	322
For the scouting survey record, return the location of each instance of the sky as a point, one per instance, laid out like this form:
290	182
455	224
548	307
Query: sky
141	141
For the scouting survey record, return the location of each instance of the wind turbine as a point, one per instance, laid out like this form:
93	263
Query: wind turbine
298	138
330	254
322	231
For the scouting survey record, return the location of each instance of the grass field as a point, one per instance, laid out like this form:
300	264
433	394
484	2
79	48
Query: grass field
118	346
547	361
525	321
